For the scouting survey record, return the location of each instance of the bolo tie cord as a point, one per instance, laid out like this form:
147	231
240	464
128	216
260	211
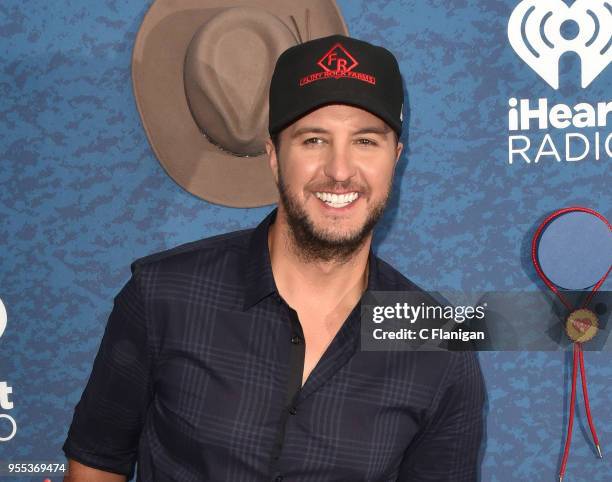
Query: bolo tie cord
578	353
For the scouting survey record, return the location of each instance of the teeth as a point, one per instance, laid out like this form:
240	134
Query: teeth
337	200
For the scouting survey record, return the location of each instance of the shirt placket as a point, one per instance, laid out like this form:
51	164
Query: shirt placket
294	383
340	350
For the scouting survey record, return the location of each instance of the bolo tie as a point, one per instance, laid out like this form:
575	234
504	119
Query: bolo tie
563	234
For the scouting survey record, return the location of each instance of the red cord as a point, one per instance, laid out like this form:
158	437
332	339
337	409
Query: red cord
586	396
536	240
570	422
578	352
596	287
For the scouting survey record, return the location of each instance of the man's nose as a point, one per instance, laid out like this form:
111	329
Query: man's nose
339	165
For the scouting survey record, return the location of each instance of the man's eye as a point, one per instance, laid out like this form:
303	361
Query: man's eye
366	142
313	140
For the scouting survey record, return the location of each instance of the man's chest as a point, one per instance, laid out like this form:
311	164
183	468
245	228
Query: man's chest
221	388
319	328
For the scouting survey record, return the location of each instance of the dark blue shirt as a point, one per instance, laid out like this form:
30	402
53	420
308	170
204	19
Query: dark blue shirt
198	378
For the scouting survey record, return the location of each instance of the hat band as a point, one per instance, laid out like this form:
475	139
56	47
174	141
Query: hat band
224	149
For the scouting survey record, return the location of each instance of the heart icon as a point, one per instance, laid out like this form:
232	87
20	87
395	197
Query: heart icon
581	324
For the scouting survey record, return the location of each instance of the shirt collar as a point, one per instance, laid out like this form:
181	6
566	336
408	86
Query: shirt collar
259	278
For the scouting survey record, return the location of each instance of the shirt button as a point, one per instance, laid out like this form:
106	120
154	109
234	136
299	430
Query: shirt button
292	411
295	340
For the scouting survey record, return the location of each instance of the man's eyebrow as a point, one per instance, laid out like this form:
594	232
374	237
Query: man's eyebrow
319	130
373	130
309	130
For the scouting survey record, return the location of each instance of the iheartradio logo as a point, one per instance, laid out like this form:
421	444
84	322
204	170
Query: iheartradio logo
535	33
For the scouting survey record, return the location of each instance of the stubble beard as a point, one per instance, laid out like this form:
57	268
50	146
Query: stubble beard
312	244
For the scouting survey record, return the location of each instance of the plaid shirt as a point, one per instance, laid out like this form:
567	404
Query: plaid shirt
198	378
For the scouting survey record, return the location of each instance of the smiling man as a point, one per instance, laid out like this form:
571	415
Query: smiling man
238	357
333	168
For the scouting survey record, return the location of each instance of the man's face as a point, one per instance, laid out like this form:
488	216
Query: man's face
334	171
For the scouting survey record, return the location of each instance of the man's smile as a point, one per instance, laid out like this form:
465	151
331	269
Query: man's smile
337	201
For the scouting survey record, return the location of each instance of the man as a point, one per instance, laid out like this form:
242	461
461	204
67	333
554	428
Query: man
237	357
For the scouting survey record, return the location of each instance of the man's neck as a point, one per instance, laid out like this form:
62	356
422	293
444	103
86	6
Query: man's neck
321	282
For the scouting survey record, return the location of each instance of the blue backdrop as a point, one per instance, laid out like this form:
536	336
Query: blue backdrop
82	195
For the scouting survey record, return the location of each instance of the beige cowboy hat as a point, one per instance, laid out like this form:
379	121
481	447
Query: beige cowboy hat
201	73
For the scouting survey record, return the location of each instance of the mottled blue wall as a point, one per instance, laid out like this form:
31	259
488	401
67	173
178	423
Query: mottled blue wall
82	196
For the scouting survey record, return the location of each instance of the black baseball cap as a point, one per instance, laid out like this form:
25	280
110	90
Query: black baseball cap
335	70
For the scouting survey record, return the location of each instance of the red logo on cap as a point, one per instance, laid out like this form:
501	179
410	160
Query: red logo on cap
337	59
337	63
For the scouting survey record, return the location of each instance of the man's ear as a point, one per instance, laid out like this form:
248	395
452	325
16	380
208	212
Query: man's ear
272	159
398	151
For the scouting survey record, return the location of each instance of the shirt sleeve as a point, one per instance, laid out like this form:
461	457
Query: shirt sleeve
448	447
108	419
